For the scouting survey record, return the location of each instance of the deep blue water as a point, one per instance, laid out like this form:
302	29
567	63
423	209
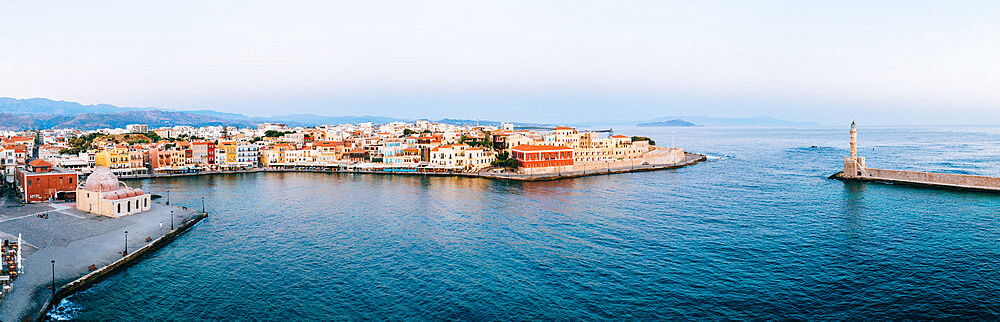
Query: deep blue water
756	233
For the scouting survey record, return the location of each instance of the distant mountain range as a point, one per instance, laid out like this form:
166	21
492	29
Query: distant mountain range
42	113
670	123
91	121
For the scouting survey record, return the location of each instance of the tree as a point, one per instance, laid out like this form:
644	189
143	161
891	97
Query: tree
153	136
643	138
274	134
407	132
505	161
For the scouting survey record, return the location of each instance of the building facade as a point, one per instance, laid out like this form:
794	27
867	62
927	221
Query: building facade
104	195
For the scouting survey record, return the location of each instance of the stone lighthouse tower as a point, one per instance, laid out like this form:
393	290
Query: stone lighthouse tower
854	166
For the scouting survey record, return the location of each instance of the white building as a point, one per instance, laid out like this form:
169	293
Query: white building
137	128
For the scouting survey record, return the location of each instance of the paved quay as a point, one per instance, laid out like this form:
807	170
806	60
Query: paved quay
75	240
620	167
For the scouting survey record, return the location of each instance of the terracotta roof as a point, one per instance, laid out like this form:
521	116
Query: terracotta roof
563	128
620	137
328	143
39	163
528	147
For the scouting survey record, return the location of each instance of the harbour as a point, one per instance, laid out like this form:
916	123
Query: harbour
754	231
71	249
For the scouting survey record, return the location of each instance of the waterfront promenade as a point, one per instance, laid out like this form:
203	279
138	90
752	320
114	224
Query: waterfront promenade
590	170
75	240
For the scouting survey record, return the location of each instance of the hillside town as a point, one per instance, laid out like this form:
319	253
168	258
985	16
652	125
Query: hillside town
47	164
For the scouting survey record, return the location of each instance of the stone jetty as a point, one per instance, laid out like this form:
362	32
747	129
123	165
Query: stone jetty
855	169
85	247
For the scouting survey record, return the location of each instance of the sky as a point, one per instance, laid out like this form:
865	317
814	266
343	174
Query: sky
879	62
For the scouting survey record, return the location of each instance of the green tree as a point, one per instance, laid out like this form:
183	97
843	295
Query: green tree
505	161
643	138
274	134
153	136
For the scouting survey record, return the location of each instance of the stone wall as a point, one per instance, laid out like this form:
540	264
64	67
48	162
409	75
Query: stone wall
100	274
960	180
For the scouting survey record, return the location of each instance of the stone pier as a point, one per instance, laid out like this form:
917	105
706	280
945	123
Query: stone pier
75	240
855	169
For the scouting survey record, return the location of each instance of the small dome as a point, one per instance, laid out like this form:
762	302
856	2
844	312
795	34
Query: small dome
138	192
111	196
129	193
102	180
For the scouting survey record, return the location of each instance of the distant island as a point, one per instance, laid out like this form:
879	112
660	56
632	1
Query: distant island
670	123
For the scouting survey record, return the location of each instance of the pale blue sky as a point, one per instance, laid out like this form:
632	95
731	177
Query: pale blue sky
886	62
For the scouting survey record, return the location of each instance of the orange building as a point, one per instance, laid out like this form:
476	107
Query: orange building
538	156
39	181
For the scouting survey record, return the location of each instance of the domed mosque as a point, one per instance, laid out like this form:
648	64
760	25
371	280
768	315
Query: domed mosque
103	194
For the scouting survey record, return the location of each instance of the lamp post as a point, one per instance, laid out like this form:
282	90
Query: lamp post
53	279
171	220
202	204
126	244
168	197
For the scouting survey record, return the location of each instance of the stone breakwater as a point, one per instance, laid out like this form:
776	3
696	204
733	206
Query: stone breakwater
100	274
689	159
926	179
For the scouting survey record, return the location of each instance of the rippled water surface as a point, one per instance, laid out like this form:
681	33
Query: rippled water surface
757	232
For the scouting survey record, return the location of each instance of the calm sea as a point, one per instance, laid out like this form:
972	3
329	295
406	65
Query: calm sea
758	232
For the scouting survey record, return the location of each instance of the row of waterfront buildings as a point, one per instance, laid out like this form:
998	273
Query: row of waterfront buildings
420	146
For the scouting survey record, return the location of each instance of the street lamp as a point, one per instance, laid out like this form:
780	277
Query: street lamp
126	244
53	279
171	220
168	197
202	204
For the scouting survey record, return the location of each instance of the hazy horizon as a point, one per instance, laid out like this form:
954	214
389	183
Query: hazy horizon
887	63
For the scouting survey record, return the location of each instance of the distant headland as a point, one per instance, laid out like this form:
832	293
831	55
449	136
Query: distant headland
670	123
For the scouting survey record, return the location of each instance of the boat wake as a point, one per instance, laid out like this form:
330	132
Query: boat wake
714	157
64	311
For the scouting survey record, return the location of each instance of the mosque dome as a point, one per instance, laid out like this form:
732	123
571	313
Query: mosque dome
130	193
111	196
138	192
101	180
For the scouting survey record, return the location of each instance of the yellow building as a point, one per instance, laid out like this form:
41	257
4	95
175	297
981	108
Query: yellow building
116	158
230	157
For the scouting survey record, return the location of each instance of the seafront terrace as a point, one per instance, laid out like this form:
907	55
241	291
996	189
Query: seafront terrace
75	240
596	168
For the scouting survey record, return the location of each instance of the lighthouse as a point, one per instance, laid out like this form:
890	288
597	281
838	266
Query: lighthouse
854	166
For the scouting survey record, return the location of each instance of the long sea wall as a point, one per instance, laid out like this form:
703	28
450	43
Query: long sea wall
943	180
100	274
593	169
